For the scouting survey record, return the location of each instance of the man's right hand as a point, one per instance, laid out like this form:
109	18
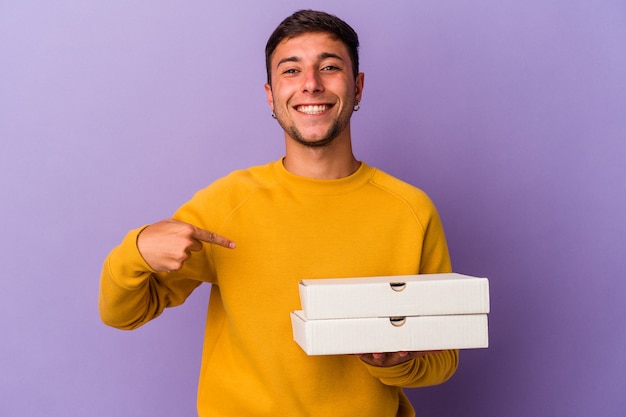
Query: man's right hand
166	245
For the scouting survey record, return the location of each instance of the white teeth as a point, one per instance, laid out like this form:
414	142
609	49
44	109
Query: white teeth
312	109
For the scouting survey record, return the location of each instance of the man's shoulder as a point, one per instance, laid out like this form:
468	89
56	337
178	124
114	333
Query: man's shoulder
241	181
398	187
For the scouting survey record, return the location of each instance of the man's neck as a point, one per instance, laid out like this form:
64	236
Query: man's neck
333	161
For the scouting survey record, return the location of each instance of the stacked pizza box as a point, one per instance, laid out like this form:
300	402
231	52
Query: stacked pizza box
392	314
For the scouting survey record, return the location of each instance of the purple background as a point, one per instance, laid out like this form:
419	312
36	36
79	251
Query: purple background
510	114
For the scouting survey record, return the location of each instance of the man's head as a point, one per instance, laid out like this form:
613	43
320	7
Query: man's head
311	21
313	80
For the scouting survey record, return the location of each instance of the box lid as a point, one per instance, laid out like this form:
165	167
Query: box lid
403	295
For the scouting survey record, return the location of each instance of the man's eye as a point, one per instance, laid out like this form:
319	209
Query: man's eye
290	71
330	68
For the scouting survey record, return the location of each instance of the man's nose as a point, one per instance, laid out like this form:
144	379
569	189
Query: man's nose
312	82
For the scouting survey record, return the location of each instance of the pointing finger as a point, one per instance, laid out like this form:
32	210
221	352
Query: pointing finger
213	238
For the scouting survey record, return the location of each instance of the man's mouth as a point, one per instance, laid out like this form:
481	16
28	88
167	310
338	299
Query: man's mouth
313	108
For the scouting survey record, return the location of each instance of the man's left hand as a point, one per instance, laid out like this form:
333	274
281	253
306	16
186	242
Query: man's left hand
391	358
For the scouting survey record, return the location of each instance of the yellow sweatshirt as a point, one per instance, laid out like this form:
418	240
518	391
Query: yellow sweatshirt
287	228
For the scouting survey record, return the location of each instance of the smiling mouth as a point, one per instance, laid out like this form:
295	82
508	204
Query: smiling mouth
313	109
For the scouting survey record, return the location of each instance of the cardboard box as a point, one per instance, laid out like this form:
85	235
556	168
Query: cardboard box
385	296
384	334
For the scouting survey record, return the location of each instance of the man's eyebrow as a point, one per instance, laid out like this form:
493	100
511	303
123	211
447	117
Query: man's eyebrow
288	59
325	55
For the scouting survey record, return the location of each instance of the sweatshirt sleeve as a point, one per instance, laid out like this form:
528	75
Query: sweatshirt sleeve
435	258
131	294
433	368
430	369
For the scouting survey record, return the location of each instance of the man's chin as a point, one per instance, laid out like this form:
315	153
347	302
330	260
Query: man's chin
316	141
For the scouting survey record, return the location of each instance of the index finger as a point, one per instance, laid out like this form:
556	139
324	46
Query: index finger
213	238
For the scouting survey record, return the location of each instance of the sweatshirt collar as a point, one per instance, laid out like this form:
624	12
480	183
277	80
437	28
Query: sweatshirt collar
307	185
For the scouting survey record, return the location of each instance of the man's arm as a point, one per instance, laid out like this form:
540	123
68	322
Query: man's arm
145	273
417	369
428	368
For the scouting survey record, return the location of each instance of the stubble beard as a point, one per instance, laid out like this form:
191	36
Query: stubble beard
326	140
332	133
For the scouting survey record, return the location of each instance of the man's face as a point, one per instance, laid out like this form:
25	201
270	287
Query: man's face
313	89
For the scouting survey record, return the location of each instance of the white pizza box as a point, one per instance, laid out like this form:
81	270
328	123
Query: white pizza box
401	295
389	334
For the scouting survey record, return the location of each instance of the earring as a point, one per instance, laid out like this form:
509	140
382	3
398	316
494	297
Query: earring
273	114
357	106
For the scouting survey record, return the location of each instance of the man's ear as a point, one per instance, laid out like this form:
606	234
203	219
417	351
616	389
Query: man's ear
270	96
358	86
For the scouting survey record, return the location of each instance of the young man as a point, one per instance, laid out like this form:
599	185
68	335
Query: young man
318	212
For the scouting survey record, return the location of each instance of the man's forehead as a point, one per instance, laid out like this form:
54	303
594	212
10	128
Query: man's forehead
301	44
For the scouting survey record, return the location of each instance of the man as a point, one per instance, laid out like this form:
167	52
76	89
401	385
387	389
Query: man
318	212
